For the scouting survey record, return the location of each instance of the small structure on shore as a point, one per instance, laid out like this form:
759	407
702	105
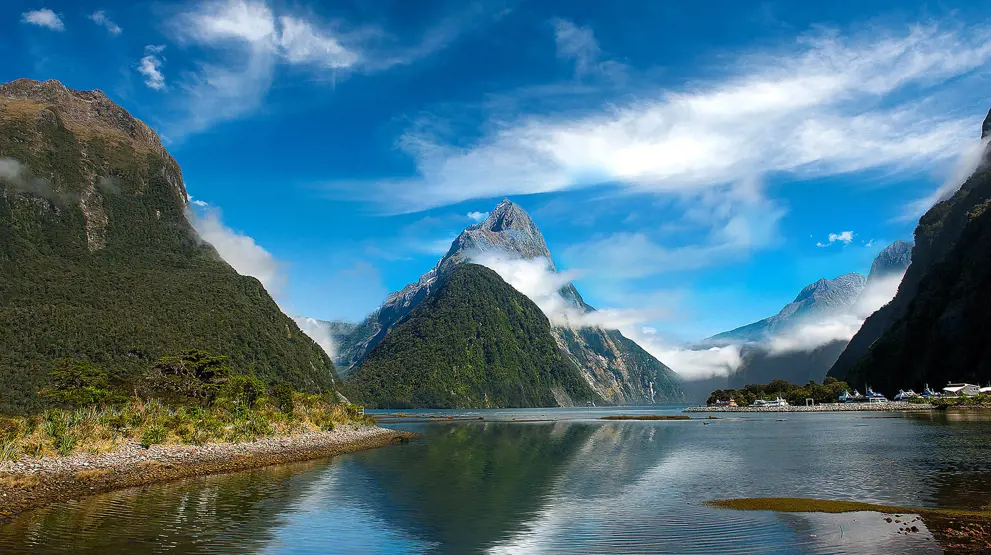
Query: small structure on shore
961	389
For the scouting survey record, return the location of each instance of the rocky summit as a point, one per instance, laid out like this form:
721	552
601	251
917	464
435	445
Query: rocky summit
617	369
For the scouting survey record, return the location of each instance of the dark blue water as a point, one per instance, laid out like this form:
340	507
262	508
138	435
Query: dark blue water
570	485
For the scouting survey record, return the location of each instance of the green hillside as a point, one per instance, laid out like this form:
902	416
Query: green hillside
475	342
98	261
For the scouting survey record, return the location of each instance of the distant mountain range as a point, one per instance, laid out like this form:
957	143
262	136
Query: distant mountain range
840	302
937	326
820	299
616	369
99	262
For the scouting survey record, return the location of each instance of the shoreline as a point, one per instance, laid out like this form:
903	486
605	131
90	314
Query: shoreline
825	407
34	483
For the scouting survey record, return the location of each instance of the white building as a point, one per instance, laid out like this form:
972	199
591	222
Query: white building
961	389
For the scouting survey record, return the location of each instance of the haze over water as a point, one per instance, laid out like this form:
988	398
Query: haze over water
571	485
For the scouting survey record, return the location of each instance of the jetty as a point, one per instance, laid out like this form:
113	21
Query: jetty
823	407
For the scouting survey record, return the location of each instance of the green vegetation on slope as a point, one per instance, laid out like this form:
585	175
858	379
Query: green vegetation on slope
475	342
98	261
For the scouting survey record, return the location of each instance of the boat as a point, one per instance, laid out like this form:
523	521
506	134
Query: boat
875	397
927	392
906	395
779	402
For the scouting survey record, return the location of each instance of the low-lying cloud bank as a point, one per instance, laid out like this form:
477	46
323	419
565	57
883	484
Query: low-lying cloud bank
320	332
811	335
539	281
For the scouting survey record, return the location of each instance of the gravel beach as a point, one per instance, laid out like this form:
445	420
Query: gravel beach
32	483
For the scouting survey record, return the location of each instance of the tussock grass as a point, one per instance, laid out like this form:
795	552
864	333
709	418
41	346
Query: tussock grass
61	432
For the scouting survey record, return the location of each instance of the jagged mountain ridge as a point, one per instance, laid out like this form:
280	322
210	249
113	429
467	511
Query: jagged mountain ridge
99	261
936	327
616	368
816	300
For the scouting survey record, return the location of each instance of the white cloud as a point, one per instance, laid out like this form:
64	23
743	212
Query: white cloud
44	18
845	237
812	334
832	104
320	332
100	18
238	249
536	279
302	43
694	365
477	216
151	67
965	165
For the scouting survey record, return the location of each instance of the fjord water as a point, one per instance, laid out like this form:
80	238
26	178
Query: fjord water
573	484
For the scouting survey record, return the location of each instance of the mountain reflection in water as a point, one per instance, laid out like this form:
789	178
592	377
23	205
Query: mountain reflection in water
554	487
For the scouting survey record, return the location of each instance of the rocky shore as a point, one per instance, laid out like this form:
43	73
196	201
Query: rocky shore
827	407
32	483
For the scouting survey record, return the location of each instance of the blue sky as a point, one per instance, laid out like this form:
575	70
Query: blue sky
686	159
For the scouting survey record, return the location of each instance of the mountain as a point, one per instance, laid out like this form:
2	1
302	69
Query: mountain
473	342
936	327
98	260
894	259
615	367
820	299
822	305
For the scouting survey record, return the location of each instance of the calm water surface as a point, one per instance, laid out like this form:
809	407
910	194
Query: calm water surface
570	485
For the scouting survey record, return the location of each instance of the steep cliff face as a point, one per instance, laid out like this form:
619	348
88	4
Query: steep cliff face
99	262
474	342
615	367
936	327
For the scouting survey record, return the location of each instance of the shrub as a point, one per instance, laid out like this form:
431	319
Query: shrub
243	392
153	435
282	395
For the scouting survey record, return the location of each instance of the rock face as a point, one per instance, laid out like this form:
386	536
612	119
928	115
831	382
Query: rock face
99	262
615	367
474	342
820	299
936	327
894	259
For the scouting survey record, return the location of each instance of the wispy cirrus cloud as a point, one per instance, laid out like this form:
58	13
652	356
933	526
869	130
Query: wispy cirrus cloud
244	42
828	104
101	18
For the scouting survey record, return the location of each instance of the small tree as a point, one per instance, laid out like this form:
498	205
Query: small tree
194	375
79	383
